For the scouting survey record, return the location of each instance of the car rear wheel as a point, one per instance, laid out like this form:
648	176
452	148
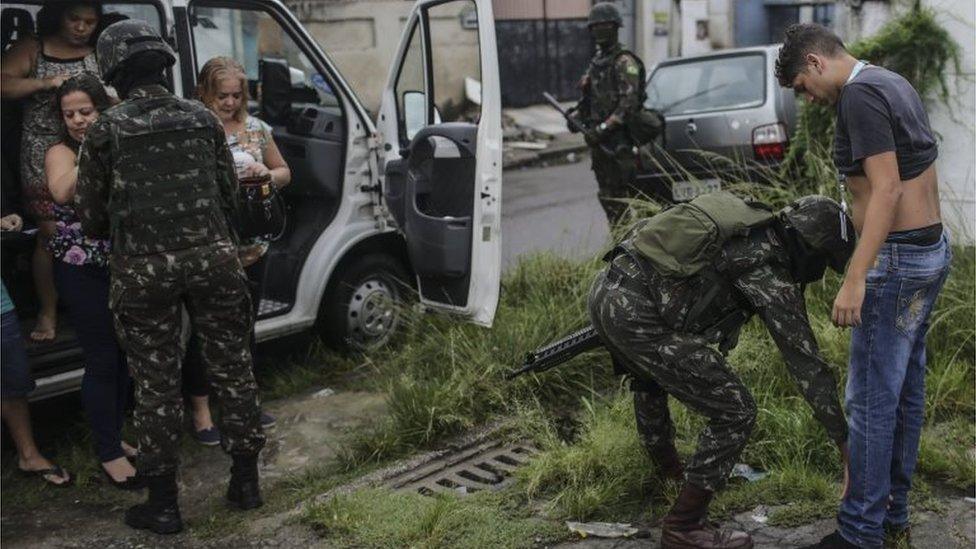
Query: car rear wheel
363	306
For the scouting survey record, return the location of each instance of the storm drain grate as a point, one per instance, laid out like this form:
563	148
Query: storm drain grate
487	466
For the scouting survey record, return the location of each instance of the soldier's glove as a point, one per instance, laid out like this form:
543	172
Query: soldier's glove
573	123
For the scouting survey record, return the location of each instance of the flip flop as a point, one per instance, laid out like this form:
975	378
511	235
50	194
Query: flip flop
55	471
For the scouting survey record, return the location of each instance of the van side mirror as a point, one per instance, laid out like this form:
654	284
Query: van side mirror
275	100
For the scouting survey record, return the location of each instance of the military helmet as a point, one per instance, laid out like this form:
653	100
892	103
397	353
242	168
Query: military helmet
605	12
120	41
817	219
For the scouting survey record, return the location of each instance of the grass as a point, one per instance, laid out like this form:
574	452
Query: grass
381	518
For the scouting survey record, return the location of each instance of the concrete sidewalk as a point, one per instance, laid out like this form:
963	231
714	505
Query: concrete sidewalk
536	133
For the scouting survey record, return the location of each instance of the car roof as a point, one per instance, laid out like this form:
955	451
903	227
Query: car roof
771	48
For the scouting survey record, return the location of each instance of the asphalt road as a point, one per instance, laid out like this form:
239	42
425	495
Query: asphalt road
551	209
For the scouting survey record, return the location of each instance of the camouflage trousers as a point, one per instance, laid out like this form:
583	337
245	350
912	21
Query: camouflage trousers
662	363
615	176
147	295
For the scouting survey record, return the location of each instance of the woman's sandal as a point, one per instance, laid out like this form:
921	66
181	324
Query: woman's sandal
135	482
54	471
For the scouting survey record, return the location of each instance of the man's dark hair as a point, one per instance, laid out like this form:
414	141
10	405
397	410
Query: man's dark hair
50	16
800	40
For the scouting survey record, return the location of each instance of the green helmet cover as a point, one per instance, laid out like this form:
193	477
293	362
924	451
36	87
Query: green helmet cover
120	41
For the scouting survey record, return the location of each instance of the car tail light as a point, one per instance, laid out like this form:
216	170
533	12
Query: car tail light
769	142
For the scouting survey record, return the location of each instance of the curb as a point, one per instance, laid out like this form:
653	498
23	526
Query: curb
524	158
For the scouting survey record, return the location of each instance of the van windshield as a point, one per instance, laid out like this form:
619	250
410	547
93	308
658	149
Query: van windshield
724	83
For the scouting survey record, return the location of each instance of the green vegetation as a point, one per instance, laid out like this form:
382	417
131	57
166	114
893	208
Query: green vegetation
381	518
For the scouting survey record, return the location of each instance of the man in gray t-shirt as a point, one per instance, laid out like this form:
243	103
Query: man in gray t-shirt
885	152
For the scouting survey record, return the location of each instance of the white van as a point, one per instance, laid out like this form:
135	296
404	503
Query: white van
413	196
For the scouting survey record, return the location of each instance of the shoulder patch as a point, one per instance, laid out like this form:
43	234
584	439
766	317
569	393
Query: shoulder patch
633	69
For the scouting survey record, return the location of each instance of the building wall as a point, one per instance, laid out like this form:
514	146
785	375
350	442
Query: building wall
362	36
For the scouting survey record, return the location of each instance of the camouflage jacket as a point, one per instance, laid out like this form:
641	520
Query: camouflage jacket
163	165
613	91
757	269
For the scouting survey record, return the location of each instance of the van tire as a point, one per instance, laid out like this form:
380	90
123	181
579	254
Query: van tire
363	305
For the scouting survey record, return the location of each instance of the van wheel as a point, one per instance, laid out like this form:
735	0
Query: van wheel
363	306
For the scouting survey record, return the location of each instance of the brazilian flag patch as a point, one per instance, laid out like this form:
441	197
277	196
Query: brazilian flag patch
632	69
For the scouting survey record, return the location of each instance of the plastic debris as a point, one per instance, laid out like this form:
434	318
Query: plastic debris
527	145
602	529
327	392
760	514
745	471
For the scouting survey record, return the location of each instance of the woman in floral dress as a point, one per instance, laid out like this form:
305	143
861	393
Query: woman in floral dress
82	277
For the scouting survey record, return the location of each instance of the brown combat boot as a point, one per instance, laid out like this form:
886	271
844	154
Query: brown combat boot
686	527
667	461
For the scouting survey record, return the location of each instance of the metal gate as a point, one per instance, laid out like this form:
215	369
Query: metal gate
543	45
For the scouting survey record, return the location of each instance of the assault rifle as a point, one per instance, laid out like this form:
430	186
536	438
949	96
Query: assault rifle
557	352
573	123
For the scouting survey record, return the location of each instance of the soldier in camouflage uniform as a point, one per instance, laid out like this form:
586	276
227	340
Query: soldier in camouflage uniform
613	95
156	177
656	328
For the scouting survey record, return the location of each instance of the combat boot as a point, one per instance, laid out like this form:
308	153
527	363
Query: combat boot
686	527
243	491
161	512
665	457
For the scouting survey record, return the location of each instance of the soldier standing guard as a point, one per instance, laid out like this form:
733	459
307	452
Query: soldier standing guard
612	104
156	177
660	306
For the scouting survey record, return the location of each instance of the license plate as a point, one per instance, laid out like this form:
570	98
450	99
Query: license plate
683	191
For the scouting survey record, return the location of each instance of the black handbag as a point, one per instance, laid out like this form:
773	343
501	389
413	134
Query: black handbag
262	211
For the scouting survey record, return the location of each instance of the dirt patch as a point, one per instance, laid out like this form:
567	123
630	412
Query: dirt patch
307	434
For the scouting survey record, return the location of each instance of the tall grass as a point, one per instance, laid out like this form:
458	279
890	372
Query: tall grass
445	378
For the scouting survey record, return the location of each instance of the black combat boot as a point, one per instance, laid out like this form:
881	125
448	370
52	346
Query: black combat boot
686	527
243	491
161	513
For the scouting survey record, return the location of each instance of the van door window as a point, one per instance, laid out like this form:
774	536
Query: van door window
455	61
249	36
409	89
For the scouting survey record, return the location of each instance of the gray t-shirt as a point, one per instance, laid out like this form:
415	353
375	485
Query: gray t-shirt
879	111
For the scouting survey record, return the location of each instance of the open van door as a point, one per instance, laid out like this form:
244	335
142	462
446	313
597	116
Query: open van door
440	125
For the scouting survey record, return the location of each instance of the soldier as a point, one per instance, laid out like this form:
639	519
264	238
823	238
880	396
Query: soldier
612	104
659	306
156	177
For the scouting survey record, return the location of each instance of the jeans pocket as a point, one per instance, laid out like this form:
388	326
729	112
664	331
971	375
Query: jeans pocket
915	297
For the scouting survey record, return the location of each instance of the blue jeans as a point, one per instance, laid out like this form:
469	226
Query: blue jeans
15	368
885	396
83	289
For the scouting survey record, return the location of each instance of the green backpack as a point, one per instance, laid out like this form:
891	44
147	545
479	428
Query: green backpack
685	238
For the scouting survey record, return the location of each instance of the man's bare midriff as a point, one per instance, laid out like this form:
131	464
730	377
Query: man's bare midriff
918	206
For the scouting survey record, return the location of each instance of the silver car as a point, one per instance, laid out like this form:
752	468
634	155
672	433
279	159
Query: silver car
726	103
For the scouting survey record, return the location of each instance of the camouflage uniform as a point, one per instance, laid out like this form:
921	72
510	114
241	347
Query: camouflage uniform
156	176
641	316
612	94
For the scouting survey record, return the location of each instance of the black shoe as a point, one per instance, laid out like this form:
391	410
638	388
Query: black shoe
833	541
244	492
161	513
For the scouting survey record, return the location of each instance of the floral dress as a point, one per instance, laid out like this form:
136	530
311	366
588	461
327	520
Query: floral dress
43	128
68	243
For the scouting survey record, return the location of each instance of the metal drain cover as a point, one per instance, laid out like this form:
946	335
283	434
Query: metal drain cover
486	466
